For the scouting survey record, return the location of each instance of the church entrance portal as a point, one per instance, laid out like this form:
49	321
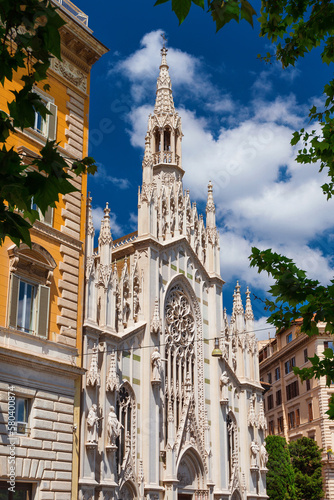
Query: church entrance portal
181	496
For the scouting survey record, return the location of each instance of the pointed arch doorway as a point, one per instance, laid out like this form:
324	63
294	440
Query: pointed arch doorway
192	477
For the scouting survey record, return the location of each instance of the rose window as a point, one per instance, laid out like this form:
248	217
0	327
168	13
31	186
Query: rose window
180	324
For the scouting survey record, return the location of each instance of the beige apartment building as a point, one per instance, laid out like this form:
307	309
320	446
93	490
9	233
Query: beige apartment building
293	408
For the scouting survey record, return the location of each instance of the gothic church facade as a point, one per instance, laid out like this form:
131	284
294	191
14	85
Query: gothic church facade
163	418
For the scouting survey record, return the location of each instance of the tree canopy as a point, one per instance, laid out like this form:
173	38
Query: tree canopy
296	28
280	476
306	462
29	32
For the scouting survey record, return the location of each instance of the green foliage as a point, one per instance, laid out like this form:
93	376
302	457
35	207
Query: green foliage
280	476
306	462
295	295
222	11
29	33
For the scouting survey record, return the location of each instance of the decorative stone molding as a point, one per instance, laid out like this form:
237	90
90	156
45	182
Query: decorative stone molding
261	419
251	417
112	382
156	321
93	375
70	72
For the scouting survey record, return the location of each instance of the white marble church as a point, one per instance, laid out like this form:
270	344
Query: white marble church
168	411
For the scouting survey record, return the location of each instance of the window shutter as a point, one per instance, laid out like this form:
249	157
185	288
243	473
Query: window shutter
52	121
48	217
13	301
43	311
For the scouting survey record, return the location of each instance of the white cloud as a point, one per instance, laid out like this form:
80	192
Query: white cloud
102	176
98	214
186	71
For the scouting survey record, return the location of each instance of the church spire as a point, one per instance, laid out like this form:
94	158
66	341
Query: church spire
164	103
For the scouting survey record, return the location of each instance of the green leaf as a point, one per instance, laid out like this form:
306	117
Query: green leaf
181	9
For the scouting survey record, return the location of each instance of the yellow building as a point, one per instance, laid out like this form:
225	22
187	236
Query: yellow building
294	409
41	302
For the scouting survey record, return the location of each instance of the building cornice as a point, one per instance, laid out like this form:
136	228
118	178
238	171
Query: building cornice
44	230
37	363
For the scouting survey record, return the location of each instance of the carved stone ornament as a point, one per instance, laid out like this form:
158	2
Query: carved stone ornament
156	321
70	72
254	449
112	382
251	417
262	422
92	424
114	427
93	375
263	457
223	382
156	366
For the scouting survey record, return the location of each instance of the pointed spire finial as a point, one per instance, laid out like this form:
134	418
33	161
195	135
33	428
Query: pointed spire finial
164	99
249	311
90	225
238	302
105	231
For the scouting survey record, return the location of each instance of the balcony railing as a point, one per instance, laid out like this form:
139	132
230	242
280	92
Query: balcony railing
164	157
74	10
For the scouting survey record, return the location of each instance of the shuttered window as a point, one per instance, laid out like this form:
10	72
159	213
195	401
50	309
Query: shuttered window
43	311
48	126
28	306
52	121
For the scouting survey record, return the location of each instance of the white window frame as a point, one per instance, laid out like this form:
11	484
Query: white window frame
47	218
22	426
49	124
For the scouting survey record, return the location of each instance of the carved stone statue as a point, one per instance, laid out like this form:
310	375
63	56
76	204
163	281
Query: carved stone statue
114	426
126	305
223	381
156	366
92	422
254	453
263	456
234	359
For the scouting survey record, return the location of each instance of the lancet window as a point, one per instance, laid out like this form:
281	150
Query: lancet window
125	410
232	453
180	353
157	138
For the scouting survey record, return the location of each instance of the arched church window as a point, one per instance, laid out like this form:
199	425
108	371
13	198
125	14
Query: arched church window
231	443
156	141
180	354
167	139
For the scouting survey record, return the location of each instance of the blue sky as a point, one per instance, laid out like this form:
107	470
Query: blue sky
238	115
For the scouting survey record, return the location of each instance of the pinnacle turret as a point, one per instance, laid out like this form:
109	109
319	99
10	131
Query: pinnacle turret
210	208
249	316
90	228
105	239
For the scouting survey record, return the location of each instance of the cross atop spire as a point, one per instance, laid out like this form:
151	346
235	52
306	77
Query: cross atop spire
164	40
